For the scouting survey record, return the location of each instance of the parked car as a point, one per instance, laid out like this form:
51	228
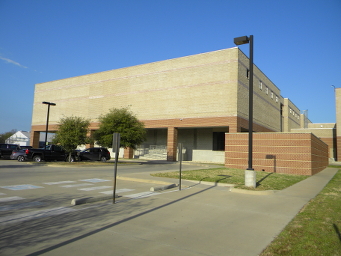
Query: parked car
6	149
50	153
19	154
25	147
94	154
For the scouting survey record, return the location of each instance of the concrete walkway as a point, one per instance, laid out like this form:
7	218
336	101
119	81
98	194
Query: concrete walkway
200	220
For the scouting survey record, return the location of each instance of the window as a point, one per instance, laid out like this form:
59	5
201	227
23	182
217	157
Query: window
219	141
260	85
276	99
57	148
272	95
267	90
247	73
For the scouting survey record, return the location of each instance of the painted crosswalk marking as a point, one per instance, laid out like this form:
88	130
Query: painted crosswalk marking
9	199
60	182
34	215
21	187
122	190
20	206
77	185
95	180
95	188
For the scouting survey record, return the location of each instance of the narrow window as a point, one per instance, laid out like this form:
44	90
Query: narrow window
260	85
219	141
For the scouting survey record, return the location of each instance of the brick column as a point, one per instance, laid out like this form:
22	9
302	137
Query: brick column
90	134
34	140
128	153
234	126
172	141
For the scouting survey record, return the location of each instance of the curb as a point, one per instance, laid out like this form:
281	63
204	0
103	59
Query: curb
236	190
163	187
217	184
86	200
252	192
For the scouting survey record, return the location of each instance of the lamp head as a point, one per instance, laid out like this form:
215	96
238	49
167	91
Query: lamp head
241	40
49	103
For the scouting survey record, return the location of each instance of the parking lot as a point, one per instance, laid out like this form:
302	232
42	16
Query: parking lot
36	217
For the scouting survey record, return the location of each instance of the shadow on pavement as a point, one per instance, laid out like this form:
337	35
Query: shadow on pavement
93	214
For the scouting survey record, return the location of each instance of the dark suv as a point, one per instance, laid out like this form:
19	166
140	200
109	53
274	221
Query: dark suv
6	149
94	154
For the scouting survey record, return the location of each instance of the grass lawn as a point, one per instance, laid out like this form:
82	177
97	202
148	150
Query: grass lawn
316	230
265	180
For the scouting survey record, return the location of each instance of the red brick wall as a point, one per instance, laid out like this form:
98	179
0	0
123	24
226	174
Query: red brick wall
331	142
320	155
172	141
128	153
292	153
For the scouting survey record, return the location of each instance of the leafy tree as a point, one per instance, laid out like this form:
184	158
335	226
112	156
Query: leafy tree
4	136
72	131
121	121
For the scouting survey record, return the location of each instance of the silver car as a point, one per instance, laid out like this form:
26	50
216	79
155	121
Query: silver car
19	154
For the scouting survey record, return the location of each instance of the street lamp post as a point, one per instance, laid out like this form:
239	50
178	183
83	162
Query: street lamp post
250	175
47	119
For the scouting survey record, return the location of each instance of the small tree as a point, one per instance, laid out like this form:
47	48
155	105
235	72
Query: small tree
6	135
72	131
121	121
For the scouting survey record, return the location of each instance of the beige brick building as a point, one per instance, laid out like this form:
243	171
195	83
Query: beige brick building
194	100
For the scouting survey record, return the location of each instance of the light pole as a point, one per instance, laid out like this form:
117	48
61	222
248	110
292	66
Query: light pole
250	175
47	119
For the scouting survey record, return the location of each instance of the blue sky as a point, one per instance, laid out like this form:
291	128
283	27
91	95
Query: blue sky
296	44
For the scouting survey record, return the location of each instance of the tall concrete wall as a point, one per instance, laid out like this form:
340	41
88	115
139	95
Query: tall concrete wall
267	99
202	85
291	116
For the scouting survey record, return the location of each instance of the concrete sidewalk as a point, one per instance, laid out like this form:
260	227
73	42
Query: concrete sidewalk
200	220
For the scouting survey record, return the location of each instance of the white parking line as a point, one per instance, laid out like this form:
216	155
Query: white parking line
59	182
19	206
95	188
21	187
95	180
9	199
77	185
